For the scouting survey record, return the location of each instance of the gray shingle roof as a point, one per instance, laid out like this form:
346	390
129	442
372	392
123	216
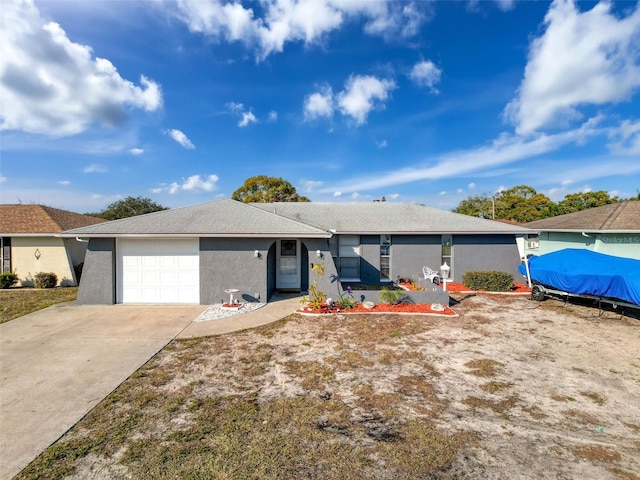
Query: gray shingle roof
620	217
218	218
234	219
385	217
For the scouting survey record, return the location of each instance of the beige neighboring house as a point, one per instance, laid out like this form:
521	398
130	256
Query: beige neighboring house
29	241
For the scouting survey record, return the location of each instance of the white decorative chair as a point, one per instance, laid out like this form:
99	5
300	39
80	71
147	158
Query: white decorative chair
431	275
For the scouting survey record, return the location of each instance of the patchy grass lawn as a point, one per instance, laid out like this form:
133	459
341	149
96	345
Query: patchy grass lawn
16	302
509	389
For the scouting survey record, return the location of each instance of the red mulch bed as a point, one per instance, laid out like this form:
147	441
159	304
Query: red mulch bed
381	308
458	287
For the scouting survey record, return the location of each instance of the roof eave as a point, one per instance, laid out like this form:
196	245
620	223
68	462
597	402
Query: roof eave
195	235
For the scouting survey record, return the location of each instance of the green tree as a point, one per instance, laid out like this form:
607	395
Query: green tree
130	207
575	202
476	206
263	189
522	204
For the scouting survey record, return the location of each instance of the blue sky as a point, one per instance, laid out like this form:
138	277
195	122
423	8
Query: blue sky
428	102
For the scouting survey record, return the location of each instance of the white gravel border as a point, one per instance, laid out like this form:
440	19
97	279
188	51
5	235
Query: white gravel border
217	311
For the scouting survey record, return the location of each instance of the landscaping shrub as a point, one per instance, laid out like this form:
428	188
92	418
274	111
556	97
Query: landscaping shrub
45	280
7	279
488	280
392	297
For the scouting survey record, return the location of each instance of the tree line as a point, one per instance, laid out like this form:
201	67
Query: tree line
523	204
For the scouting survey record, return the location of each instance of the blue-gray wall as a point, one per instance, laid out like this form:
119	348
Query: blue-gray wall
97	284
485	252
409	253
230	263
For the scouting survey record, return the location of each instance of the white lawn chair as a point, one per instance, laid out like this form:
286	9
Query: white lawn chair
431	275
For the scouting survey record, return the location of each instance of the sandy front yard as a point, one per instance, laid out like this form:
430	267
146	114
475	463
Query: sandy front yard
508	389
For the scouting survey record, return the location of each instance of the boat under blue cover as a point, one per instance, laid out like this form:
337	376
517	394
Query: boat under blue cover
584	272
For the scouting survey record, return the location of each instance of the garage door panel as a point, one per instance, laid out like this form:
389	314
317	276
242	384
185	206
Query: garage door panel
159	271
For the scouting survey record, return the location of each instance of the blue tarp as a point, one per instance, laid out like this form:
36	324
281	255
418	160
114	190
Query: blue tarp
584	272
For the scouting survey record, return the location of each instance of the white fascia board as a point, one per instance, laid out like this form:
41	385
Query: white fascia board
588	230
193	235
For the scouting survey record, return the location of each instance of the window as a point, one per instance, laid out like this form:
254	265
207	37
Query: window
349	257
5	244
447	252
533	241
385	256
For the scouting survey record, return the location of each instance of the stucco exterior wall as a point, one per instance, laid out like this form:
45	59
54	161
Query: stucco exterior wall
409	253
230	263
52	258
485	252
98	281
618	244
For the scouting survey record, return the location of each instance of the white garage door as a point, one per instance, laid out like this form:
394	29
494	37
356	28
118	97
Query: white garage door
158	271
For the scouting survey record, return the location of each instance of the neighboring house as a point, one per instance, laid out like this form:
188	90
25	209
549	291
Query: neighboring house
30	243
192	254
612	229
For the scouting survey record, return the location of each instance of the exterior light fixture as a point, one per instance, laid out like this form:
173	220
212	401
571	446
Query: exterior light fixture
444	273
257	254
319	254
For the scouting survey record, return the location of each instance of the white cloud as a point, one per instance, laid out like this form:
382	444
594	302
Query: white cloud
582	58
393	196
337	194
471	186
311	185
426	74
381	144
355	195
181	138
306	21
3	179
194	183
247	119
626	138
95	168
53	86
504	150
136	151
235	107
273	116
362	94
319	104
64	182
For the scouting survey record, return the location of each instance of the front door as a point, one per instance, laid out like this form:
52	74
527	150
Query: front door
288	264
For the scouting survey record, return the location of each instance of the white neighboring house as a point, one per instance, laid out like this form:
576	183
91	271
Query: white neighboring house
30	242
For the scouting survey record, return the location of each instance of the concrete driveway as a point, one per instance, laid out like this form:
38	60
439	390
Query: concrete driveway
58	363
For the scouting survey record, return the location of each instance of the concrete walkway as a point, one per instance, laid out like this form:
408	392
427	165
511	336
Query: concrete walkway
60	362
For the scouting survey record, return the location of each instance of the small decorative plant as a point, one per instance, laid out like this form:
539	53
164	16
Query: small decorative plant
392	297
316	297
346	302
45	280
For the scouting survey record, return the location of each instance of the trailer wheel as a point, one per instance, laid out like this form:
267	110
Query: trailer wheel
537	293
